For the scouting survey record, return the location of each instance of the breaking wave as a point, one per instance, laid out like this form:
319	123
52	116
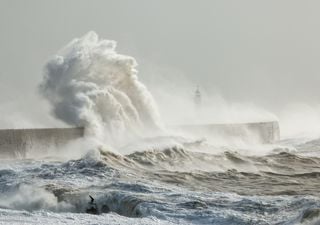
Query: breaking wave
89	84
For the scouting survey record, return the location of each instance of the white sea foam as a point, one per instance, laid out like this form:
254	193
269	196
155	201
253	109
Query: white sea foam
30	198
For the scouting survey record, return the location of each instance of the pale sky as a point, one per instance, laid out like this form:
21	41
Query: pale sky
264	52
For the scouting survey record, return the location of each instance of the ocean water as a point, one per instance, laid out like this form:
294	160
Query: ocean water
171	185
135	172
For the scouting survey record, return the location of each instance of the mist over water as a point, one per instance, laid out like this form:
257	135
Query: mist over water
140	170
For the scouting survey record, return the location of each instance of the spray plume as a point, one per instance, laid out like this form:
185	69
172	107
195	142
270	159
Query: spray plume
89	84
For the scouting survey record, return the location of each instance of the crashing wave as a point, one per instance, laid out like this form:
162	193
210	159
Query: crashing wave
89	84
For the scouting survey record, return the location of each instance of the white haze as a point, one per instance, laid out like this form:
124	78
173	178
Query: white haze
174	94
89	84
253	59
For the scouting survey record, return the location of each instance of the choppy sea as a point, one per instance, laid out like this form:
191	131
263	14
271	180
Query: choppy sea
183	182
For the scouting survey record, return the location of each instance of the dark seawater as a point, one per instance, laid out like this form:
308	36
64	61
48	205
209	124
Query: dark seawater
179	184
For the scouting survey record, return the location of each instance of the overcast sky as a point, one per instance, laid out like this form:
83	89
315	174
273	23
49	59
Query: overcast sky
264	52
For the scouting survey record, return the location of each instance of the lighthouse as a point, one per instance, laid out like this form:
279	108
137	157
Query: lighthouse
197	98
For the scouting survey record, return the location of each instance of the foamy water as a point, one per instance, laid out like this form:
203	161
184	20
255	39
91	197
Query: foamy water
162	186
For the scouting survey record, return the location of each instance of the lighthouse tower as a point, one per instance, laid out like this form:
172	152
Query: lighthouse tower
197	99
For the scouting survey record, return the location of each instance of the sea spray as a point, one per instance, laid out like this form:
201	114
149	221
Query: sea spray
30	198
89	84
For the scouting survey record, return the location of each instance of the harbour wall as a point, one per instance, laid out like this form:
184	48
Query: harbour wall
259	132
15	143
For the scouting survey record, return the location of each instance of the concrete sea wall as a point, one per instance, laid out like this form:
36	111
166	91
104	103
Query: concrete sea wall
15	143
261	132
